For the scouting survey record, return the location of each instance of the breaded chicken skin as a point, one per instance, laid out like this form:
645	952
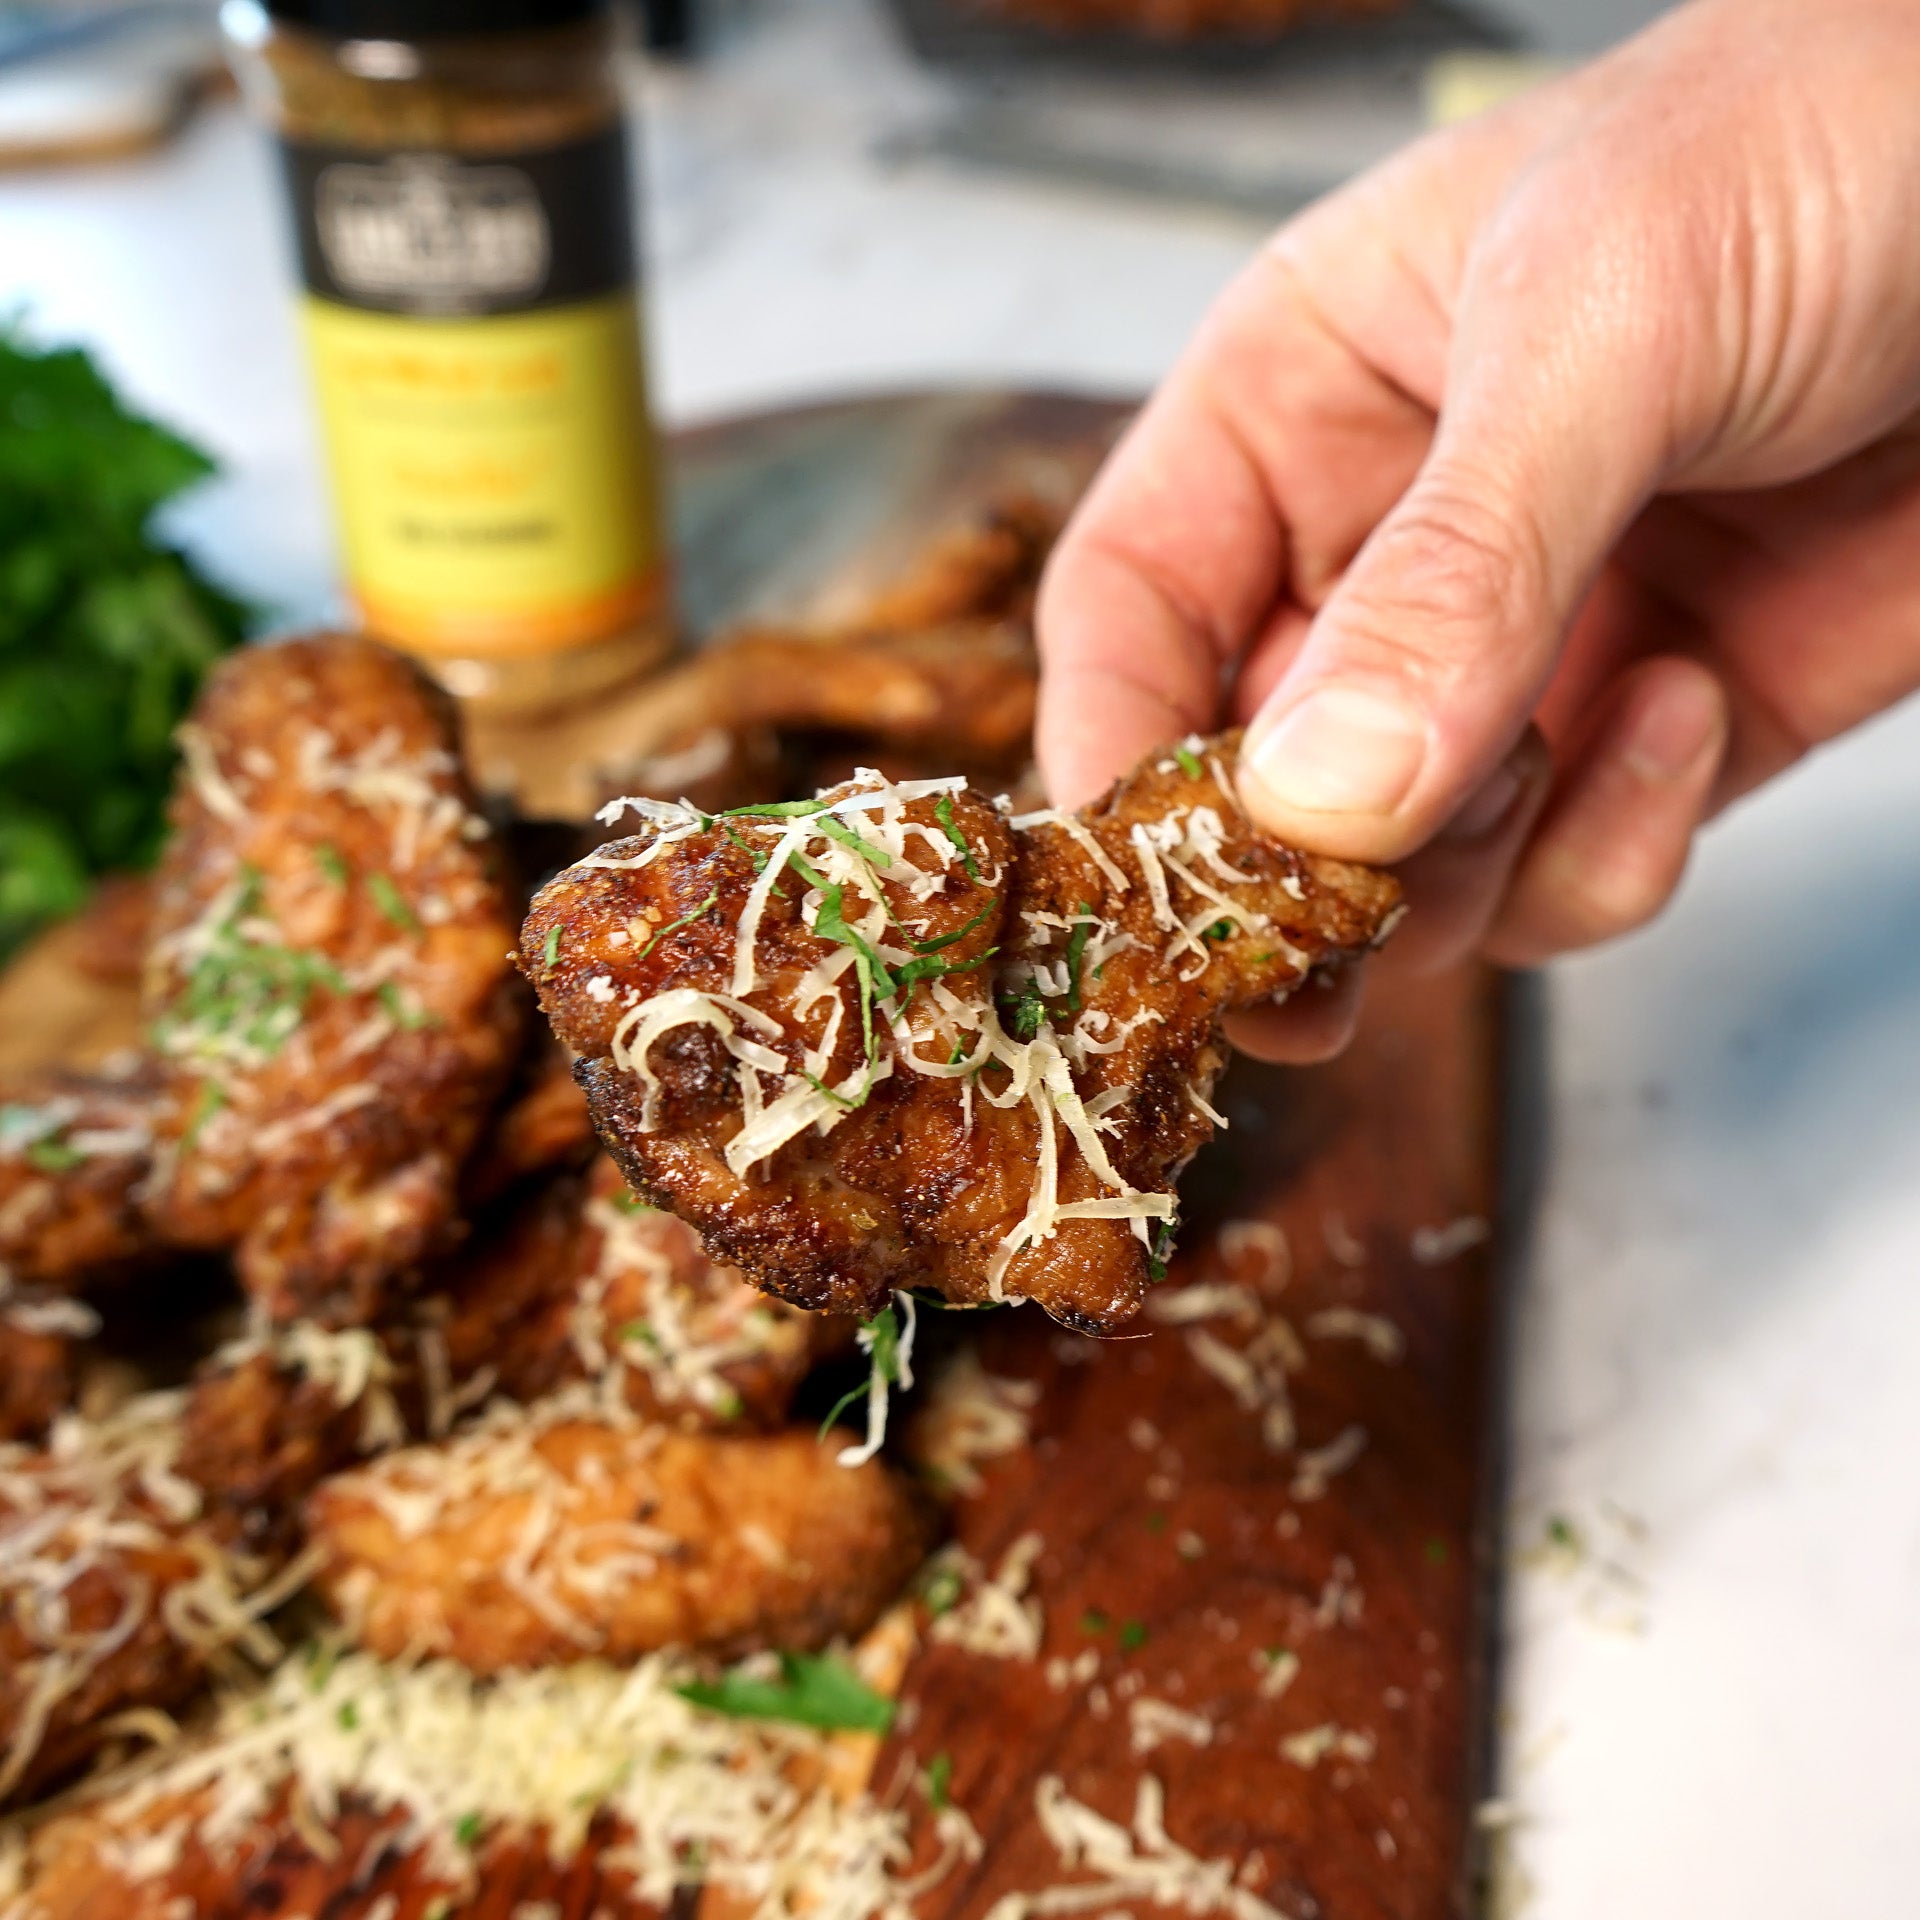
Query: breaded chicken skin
74	1149
327	983
111	1595
538	1540
895	1039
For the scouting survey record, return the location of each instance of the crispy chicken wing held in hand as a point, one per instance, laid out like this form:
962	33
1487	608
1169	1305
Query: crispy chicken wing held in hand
894	1038
328	984
542	1538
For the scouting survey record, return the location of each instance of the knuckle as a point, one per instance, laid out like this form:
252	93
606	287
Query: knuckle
1448	579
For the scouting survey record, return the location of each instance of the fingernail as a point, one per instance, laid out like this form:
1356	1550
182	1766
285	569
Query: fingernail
1341	750
1666	739
1488	807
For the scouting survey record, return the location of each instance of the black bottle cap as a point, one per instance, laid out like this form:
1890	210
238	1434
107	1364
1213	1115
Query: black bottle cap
431	19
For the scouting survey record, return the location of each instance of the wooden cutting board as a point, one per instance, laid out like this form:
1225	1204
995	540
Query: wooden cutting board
1292	1474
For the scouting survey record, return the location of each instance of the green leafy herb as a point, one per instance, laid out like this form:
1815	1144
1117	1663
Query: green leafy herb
1220	930
106	630
1094	1621
206	1103
939	1779
812	1690
839	831
551	951
630	1202
1563	1533
1077	953
1162	1251
881	1338
466	1829
1189	762
943	812
329	859
772	810
642	1331
728	1404
392	902
1133	1635
54	1156
747	847
941	1590
1024	1012
926	966
673	926
407	1017
244	994
322	1658
349	1716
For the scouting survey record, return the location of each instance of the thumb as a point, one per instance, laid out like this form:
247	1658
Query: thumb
1425	664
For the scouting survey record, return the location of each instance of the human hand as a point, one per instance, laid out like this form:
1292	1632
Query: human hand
1539	493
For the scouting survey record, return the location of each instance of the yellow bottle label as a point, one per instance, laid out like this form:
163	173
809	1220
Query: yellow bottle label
494	476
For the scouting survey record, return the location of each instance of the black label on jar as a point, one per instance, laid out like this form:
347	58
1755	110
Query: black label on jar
436	233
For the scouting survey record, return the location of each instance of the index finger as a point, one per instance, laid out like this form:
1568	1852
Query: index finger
1173	558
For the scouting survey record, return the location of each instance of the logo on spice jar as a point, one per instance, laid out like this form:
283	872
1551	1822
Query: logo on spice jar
428	230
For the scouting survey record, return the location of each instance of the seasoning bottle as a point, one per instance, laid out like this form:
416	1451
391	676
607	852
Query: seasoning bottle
458	172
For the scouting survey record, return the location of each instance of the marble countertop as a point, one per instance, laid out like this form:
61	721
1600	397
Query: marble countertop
1710	1696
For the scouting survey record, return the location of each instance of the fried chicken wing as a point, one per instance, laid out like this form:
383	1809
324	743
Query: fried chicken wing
896	1039
156	1857
111	1595
269	1417
327	983
542	1124
541	1538
74	1149
587	1284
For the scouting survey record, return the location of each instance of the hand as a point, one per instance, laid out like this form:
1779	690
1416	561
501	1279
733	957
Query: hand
1541	492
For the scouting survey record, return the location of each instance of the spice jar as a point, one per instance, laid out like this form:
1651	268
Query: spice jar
458	172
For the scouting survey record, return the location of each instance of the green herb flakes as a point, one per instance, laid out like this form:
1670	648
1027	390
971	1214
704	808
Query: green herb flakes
939	1781
1189	762
943	812
705	907
811	1690
392	903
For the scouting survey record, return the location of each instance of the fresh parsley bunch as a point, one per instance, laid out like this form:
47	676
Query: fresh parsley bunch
105	630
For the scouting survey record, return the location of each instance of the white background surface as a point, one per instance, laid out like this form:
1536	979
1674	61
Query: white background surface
1715	1712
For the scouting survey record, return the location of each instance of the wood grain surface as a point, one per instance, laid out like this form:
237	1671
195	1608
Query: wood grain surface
1188	1556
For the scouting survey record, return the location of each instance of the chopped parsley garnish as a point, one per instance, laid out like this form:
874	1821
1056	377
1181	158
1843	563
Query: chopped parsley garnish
812	1690
939	1780
1220	930
1162	1251
466	1829
392	902
321	1661
1563	1533
54	1156
943	812
408	1018
641	1331
705	907
551	951
728	1404
1189	762
243	993
349	1716
1024	1012
772	810
1077	953
1133	1635
206	1103
1094	1621
630	1202
941	1590
837	830
881	1338
747	847
329	859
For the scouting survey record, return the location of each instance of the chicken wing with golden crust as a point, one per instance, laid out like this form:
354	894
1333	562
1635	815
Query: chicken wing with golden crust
74	1149
544	1537
894	1038
111	1595
589	1284
327	983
